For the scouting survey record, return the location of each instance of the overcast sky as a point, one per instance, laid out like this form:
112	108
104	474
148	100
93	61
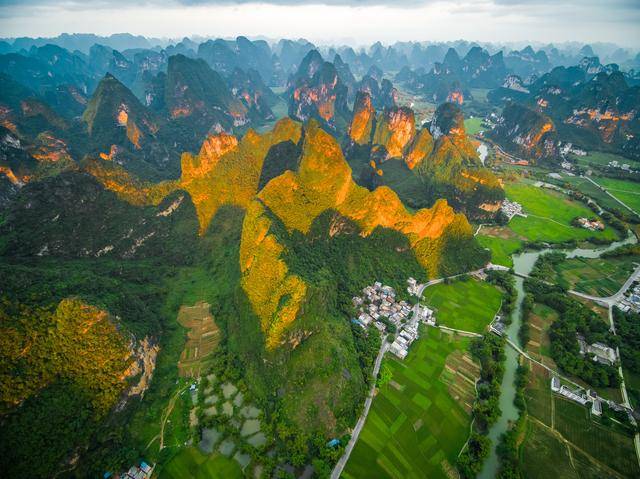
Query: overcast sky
327	21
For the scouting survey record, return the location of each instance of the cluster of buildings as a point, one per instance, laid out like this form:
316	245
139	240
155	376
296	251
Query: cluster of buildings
566	165
579	395
379	301
601	353
378	307
511	209
620	166
631	300
592	225
143	471
566	148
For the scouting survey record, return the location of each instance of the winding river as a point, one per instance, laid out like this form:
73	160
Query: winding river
523	264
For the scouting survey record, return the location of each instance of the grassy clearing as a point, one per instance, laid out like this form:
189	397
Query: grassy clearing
191	463
469	305
549	215
596	276
416	427
626	191
501	248
473	125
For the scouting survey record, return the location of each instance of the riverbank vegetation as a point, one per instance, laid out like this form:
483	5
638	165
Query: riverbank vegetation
575	318
489	351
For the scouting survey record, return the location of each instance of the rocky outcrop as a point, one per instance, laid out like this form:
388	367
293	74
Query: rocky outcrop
363	118
316	91
395	128
526	133
322	182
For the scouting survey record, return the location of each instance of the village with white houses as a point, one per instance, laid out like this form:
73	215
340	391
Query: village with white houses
630	300
378	307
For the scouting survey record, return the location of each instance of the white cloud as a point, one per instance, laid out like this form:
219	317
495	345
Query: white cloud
484	20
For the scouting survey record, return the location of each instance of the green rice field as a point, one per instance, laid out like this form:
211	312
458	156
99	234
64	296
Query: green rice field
469	305
626	191
415	429
501	248
549	215
192	463
596	276
561	435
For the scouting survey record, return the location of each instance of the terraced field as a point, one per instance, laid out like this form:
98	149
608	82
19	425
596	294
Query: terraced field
540	320
202	338
419	421
469	305
549	215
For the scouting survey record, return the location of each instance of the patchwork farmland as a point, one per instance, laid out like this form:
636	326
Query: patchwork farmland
202	338
420	420
561	435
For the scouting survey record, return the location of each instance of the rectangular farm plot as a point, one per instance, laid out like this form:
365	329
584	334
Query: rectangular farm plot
413	431
597	276
203	336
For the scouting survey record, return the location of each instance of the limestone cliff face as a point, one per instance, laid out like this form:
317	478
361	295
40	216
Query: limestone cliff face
362	122
323	181
195	92
421	147
448	121
395	128
266	278
526	133
316	91
212	149
114	110
232	168
225	171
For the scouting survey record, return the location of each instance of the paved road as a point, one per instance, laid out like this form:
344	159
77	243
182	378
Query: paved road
461	332
612	196
337	470
526	355
611	300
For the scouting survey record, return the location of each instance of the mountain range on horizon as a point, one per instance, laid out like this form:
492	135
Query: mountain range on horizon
219	257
